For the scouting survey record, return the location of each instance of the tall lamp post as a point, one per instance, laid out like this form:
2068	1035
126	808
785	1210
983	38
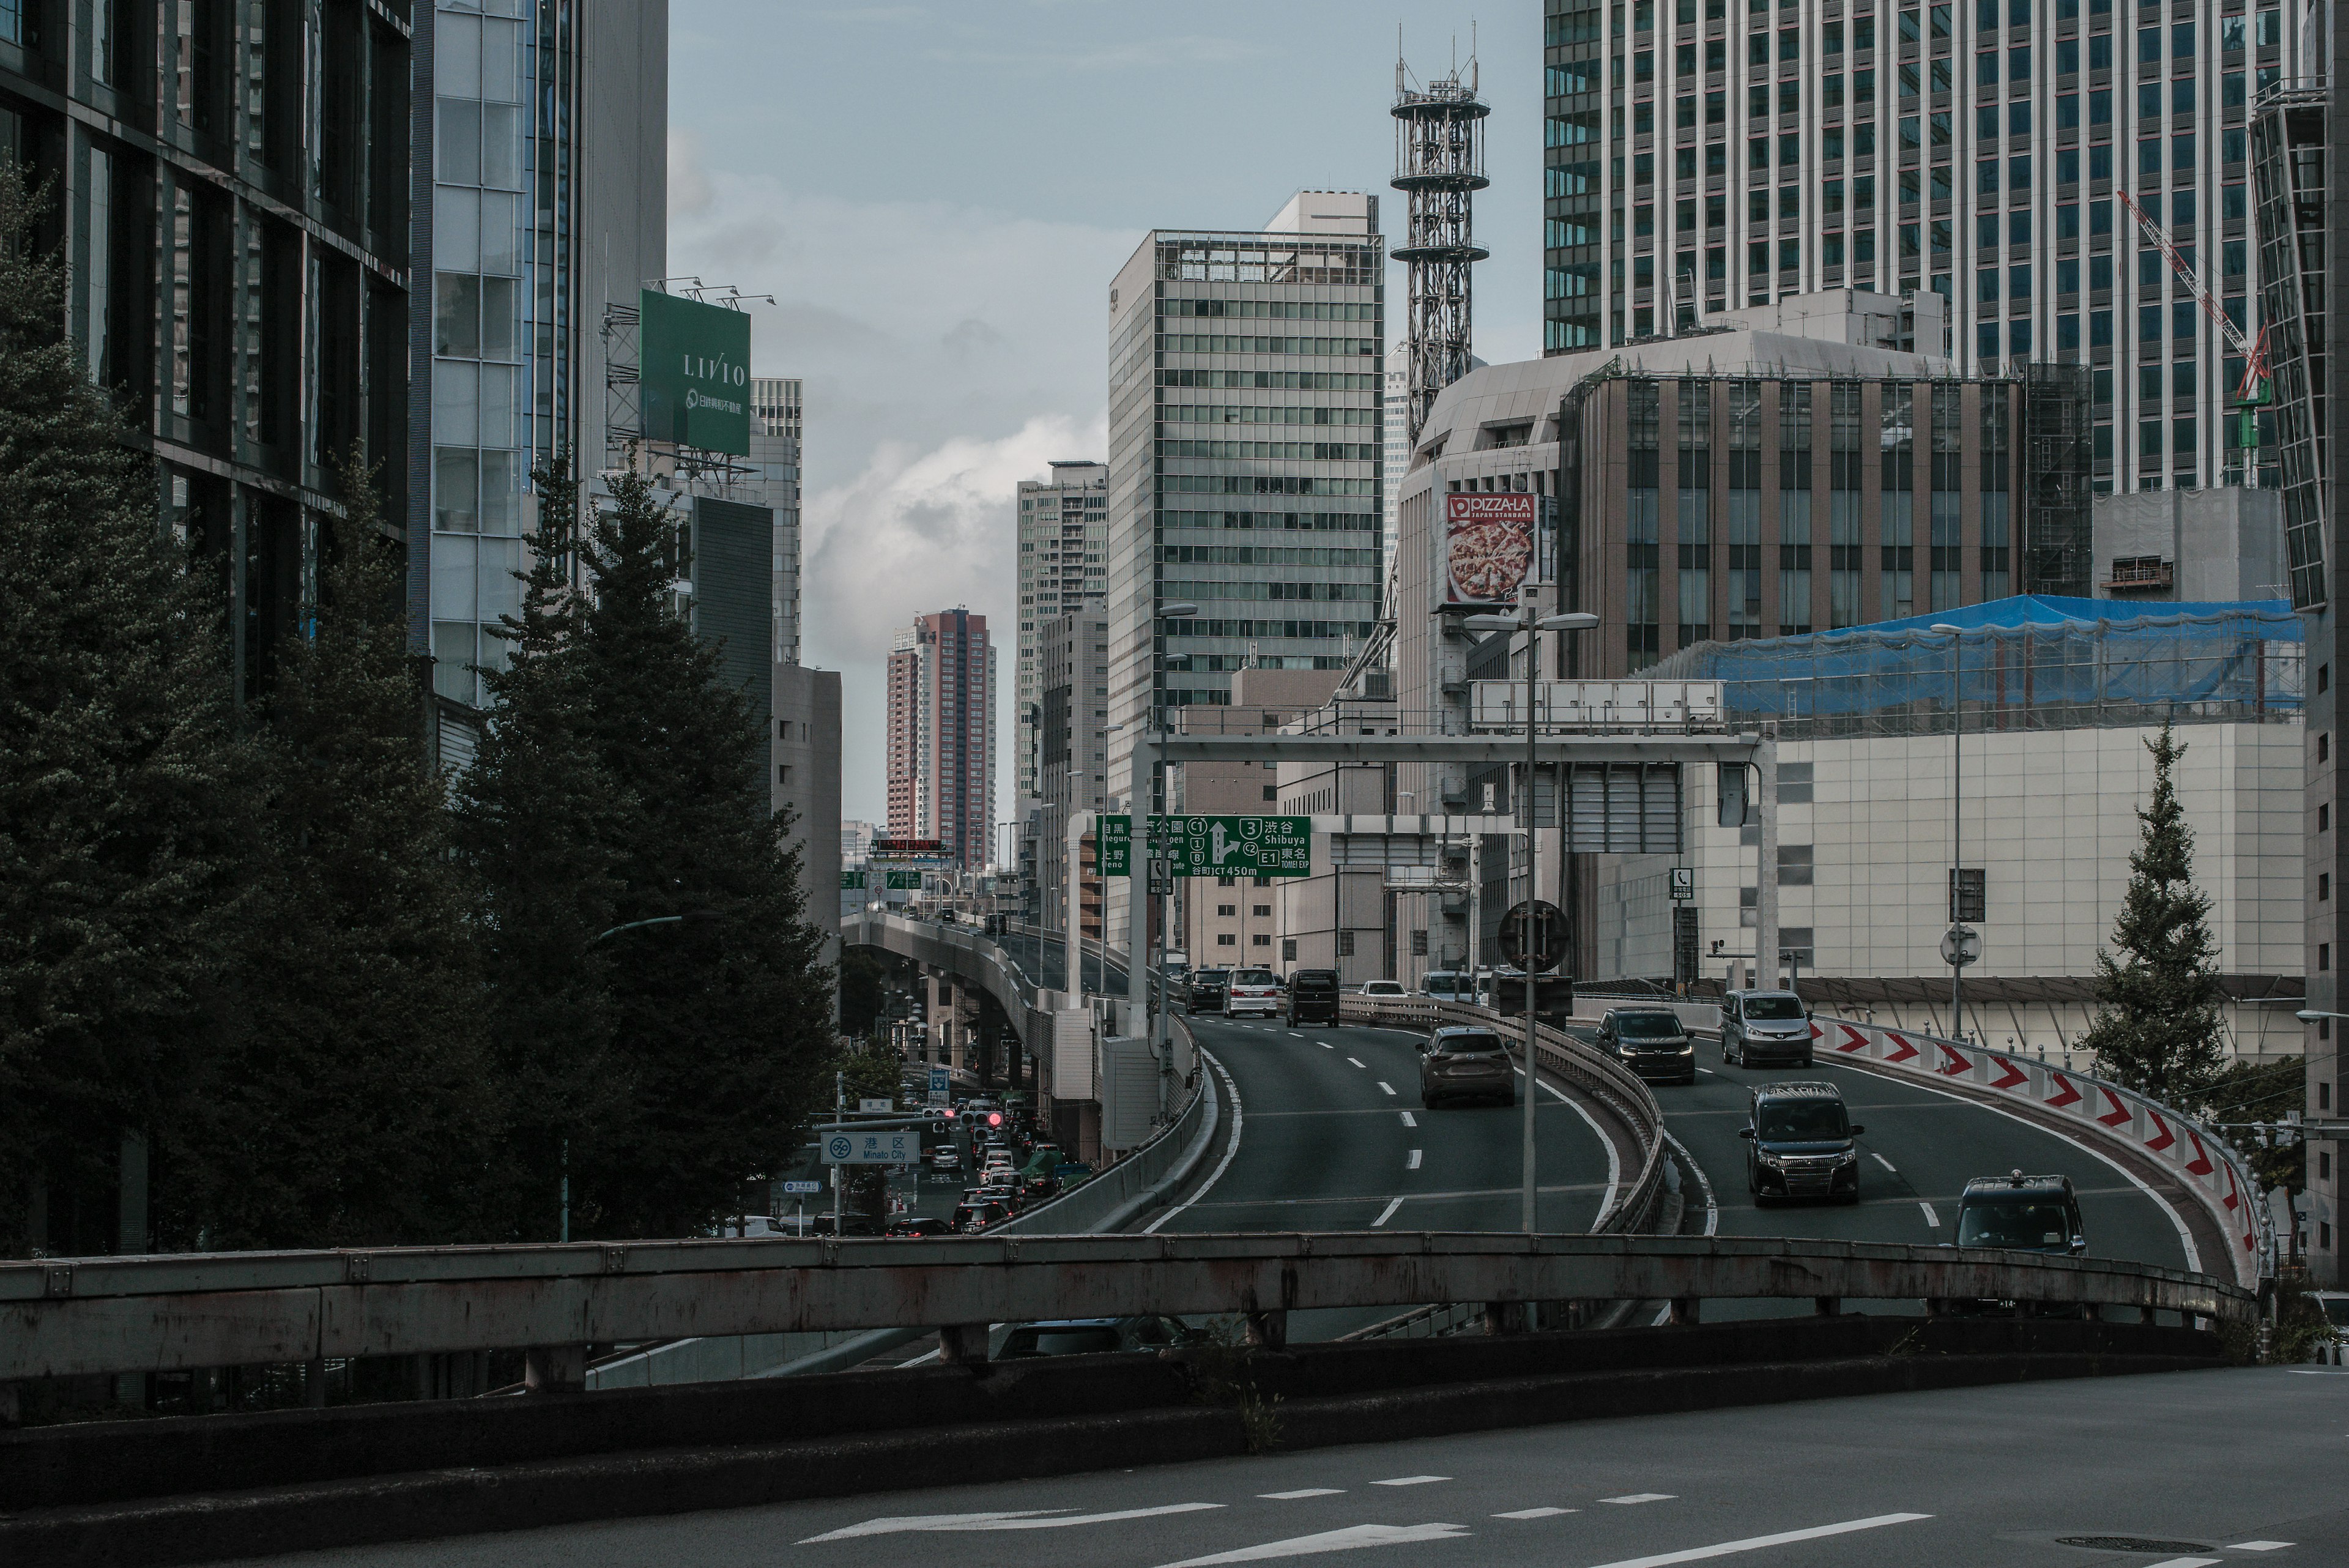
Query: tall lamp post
1957	826
1524	620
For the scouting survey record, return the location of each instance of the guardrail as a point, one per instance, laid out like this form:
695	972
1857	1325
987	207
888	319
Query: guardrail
111	1316
1592	1071
2105	1110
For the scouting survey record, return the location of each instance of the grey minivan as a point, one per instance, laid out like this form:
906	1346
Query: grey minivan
1764	1028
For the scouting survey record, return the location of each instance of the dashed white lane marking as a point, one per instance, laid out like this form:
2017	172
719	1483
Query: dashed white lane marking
2259	1545
1882	1161
1410	1480
1325	1044
2186	1563
1535	1512
1759	1543
1930	1218
1386	1214
1301	1491
1641	1497
1412	1163
1356	1062
1708	1072
1293	1035
1027	1518
1387	1086
1349	1539
1409	1120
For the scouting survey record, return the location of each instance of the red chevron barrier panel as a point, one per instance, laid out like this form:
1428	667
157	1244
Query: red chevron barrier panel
2094	1107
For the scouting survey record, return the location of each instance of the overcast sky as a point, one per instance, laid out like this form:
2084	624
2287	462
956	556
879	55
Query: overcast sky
938	196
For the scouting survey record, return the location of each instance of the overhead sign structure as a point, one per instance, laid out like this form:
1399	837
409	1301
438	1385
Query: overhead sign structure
897	881
1488	547
693	372
1212	846
872	1147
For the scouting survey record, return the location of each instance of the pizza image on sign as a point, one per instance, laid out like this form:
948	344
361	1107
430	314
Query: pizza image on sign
1488	547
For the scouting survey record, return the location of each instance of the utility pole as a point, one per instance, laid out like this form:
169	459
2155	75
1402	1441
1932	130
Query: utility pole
839	1114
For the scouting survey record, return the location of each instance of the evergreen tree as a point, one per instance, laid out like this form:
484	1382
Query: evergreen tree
722	1023
537	822
354	1108
126	841
2158	1030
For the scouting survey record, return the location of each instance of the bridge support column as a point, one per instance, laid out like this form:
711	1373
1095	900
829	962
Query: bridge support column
1826	1306
1269	1330
1505	1317
1688	1309
963	1344
555	1368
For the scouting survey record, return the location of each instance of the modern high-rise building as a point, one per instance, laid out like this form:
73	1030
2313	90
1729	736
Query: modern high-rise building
1063	532
548	201
775	431
2288	175
942	735
1397	456
1703	155
1072	680
1246	383
231	190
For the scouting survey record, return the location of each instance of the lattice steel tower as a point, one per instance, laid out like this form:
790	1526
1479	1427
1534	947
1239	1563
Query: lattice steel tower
1440	165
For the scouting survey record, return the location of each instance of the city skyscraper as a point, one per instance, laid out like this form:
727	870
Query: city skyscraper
776	426
1063	531
1703	154
941	736
548	201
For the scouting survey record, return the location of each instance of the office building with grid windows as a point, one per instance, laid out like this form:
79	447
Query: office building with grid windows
941	736
1063	532
1706	154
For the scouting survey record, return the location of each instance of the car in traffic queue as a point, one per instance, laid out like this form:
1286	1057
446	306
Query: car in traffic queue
1252	991
944	1158
1381	988
1465	1062
1800	1143
1312	996
1205	994
1764	1028
1651	1040
914	1227
973	1215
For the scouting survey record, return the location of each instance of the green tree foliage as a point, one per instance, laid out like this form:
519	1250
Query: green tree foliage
125	825
354	1106
862	993
2158	1028
2263	1092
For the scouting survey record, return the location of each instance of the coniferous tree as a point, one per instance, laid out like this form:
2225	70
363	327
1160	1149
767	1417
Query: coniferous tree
721	1022
537	822
355	1108
2158	1029
126	828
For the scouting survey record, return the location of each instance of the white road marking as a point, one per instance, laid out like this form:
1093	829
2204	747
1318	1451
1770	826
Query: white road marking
2259	1545
1293	1035
1756	1542
1238	1117
1412	1163
1882	1161
1026	1518
1641	1497
1409	1120
2186	1563
1536	1512
1614	1160
1930	1218
1350	1540
1411	1481
1325	1044
1356	1063
1708	1072
1386	1214
1387	1086
1301	1491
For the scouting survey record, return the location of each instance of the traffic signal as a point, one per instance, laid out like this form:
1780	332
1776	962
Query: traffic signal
995	1118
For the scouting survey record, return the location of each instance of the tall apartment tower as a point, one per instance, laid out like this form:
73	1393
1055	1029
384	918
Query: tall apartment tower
1063	535
1703	155
942	735
775	431
1246	374
1396	458
237	230
547	187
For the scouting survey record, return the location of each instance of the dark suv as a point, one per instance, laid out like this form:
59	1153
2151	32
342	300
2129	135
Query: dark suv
1312	996
1469	1063
1651	1040
1762	1027
1207	994
1800	1144
2021	1213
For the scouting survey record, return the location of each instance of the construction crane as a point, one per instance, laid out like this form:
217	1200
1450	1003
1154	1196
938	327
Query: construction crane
2253	391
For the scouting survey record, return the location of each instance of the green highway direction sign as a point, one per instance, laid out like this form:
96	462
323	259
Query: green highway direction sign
1213	846
852	881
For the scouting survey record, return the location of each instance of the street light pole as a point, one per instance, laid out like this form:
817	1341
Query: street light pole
1957	821
1153	992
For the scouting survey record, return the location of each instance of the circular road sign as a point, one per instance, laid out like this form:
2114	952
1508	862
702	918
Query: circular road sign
839	1147
1548	932
1961	945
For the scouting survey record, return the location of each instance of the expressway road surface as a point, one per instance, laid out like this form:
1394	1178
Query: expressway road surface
2190	1470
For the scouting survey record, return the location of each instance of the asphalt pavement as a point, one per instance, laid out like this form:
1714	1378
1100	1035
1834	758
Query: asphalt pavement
2184	1471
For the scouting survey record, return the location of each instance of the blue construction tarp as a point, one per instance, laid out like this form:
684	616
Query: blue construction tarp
2042	660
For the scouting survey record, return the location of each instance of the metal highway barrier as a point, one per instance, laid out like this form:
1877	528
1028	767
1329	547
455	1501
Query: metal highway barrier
109	1315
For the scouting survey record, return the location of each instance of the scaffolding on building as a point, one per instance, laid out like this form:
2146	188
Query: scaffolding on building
1440	165
2059	460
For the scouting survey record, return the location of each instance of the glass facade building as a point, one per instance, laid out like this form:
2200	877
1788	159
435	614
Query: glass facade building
1063	532
1705	154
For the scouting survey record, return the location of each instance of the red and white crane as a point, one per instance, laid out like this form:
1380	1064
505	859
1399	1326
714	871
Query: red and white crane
2253	350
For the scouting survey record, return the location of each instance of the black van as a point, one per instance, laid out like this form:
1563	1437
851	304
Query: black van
1799	1144
1312	996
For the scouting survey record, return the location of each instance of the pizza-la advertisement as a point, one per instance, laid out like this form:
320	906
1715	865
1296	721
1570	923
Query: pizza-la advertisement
1488	547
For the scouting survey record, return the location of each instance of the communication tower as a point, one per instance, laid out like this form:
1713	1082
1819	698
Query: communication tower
1440	165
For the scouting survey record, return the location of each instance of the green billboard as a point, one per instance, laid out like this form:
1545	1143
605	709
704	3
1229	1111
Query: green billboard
693	372
1214	845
